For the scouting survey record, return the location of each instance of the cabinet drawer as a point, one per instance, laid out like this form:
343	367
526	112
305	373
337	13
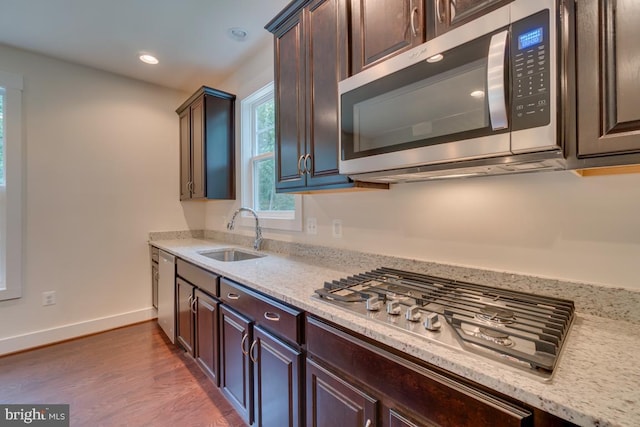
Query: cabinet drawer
199	277
271	314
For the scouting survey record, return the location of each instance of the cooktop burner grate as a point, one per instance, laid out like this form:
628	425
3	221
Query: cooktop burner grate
515	327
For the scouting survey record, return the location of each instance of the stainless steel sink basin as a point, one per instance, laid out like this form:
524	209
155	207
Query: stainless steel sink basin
230	254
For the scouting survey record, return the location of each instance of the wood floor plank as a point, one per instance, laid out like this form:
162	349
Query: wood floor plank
131	377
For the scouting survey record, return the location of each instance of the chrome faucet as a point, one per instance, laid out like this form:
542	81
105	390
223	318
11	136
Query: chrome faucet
258	242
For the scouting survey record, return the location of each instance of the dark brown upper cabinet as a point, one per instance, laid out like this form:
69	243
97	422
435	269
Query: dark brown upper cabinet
207	145
311	47
381	29
449	14
608	82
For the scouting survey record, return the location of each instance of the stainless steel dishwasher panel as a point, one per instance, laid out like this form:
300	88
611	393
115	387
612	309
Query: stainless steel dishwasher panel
166	294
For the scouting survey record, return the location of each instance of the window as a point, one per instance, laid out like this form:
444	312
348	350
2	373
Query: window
2	179
276	210
11	233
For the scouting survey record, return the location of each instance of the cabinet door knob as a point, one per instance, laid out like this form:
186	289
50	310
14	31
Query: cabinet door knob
274	317
368	423
439	11
251	356
414	29
194	301
307	169
300	171
244	338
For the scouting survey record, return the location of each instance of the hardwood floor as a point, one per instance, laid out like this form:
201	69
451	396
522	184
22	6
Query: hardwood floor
131	376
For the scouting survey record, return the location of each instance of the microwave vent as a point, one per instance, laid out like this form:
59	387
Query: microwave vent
462	170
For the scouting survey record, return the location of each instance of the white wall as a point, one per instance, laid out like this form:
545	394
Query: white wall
101	172
552	224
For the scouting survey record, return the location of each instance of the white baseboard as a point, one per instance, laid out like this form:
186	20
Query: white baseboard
73	330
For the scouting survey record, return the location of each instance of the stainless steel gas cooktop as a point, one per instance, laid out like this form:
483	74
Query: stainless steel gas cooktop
517	328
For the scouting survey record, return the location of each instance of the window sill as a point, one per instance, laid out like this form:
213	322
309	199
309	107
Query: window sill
271	223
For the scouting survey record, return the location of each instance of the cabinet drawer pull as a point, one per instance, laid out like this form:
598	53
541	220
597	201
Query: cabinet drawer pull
274	317
233	296
251	356
244	338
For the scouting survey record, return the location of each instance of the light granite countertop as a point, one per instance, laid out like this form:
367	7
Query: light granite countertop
596	381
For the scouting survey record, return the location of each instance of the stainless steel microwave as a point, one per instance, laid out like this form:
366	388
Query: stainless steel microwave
480	99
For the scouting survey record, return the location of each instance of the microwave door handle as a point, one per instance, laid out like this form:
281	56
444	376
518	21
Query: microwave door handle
496	78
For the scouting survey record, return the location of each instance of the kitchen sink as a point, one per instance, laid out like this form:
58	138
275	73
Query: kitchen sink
230	254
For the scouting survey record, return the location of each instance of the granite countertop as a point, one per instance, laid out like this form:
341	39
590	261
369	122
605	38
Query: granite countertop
596	381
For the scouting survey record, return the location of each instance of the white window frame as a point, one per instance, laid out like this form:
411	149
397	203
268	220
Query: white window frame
291	221
11	283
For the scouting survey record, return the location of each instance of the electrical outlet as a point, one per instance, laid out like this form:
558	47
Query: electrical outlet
337	228
49	298
312	226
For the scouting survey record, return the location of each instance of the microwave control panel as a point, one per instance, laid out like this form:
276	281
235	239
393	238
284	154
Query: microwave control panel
530	71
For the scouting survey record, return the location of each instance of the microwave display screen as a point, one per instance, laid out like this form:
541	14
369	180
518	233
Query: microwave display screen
530	38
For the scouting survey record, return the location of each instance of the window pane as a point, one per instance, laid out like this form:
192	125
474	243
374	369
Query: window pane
265	129
266	198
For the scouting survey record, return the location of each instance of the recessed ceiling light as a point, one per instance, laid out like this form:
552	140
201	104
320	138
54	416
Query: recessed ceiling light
477	93
237	33
435	58
148	59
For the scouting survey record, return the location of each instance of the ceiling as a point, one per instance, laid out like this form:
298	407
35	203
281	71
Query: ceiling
189	37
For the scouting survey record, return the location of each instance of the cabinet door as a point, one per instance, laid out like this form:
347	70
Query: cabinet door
184	300
332	401
235	367
289	101
198	167
276	381
608	77
207	329
219	147
185	154
449	14
327	63
383	28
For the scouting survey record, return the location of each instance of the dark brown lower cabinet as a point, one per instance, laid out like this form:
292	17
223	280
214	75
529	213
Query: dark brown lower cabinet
184	314
354	382
331	401
206	332
235	366
277	381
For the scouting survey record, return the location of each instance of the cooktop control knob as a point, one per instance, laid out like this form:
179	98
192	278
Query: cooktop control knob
413	314
373	303
431	322
393	307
